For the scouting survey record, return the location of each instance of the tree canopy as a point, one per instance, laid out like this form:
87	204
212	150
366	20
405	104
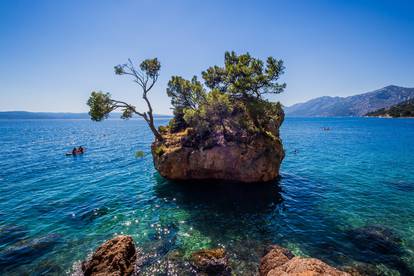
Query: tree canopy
244	76
239	86
231	100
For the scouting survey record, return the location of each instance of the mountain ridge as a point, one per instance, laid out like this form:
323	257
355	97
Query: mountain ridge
356	105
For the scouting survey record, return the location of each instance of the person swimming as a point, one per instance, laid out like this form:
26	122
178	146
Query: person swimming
76	151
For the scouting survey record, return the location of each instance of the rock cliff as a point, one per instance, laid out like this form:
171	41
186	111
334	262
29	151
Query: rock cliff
228	157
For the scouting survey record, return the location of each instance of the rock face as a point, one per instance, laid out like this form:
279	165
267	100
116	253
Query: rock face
211	262
114	257
253	159
280	261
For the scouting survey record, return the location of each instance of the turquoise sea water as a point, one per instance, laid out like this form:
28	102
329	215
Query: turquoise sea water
338	190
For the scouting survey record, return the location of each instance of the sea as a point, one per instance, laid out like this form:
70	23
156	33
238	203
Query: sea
345	196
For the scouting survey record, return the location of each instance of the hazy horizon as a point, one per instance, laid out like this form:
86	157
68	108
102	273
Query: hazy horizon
55	53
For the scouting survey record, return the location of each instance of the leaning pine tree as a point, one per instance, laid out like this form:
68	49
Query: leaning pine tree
101	104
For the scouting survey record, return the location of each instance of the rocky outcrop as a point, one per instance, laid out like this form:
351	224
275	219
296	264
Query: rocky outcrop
280	261
248	159
115	257
211	262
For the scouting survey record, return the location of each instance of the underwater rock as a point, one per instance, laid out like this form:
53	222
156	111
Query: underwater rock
379	244
25	251
211	262
377	239
12	234
365	269
116	256
173	263
91	215
280	261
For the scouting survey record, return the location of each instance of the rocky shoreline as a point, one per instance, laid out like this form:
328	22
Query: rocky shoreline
119	256
381	249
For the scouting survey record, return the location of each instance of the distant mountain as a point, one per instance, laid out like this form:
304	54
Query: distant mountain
404	109
357	105
25	115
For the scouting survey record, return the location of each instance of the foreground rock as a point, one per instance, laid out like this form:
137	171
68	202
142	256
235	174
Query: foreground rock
211	262
114	257
280	261
235	158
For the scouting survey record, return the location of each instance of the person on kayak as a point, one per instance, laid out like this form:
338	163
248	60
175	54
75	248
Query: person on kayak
74	151
80	150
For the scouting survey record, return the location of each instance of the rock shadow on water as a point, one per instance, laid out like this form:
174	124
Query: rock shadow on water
221	196
216	208
221	211
401	185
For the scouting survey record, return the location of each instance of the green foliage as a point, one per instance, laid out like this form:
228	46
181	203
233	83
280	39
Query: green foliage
244	77
160	150
100	105
139	154
149	67
262	111
184	94
211	115
163	129
234	108
127	113
404	109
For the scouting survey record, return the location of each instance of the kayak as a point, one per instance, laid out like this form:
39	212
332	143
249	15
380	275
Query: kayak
70	154
76	154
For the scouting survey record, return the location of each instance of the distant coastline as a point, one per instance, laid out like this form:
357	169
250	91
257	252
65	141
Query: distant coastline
352	106
27	115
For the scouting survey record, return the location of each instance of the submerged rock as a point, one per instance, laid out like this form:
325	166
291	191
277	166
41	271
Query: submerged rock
114	257
280	261
11	234
211	262
379	244
376	238
27	250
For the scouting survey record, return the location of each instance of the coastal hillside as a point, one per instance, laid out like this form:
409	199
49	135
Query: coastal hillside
357	105
404	109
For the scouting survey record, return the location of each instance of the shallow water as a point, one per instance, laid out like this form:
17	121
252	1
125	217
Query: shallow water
55	209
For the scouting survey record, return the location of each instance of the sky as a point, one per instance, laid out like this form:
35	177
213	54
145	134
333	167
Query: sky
54	53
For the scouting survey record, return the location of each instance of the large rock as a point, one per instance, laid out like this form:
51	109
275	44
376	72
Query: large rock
115	257
211	262
254	158
280	261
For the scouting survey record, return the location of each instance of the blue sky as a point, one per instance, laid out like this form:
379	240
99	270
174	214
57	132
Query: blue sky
54	53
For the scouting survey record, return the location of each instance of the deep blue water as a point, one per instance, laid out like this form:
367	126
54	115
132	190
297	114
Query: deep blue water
338	189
